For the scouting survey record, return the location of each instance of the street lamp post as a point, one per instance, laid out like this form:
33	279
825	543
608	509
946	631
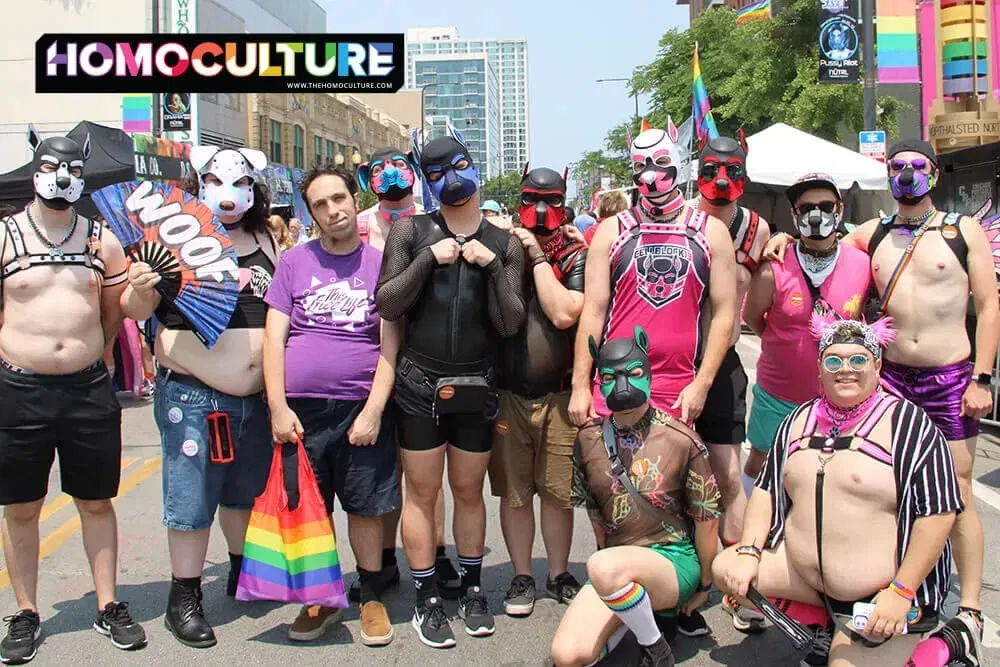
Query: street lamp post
635	94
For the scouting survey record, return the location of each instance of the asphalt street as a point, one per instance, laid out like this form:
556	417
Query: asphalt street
255	633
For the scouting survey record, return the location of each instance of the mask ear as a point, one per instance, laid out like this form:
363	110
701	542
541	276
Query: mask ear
628	139
364	171
524	174
34	139
256	158
412	160
86	148
644	126
743	141
672	130
592	344
201	156
565	176
702	142
641	339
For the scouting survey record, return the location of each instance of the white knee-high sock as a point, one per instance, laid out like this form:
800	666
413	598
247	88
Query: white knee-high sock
613	641
631	604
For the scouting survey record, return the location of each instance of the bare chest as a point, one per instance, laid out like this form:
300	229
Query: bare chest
933	263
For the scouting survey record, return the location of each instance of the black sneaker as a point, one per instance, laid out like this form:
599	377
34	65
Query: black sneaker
563	588
475	611
819	652
656	655
431	623
21	643
520	598
449	580
692	625
117	623
961	635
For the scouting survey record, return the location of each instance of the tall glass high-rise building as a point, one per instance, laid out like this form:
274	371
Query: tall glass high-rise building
508	60
463	89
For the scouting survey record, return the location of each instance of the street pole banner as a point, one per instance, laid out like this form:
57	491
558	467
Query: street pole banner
176	112
839	42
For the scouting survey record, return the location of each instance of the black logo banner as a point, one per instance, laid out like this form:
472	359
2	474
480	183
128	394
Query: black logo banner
207	63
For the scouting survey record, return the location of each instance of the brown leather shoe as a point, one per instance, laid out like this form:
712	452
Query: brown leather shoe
313	622
376	630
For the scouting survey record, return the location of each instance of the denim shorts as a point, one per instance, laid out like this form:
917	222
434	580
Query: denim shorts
193	486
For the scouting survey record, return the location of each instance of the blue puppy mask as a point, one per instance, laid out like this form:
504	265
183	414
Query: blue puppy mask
449	170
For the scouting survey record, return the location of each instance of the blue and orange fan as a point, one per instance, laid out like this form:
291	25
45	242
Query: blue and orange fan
181	239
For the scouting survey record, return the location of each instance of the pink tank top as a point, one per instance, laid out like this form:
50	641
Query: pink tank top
659	281
789	354
364	222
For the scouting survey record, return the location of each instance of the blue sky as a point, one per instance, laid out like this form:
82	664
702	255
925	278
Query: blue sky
570	45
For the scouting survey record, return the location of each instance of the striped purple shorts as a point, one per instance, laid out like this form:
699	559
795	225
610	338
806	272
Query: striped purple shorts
938	390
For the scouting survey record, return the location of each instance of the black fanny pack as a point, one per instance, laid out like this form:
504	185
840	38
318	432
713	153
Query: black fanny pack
464	395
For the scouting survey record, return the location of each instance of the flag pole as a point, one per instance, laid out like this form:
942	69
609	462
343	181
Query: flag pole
694	131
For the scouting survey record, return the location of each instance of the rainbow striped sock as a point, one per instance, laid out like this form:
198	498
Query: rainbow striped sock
631	604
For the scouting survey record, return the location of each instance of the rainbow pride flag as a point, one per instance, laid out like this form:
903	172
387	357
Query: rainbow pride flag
703	121
291	555
137	114
896	42
755	11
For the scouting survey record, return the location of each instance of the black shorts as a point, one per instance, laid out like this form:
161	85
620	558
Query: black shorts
723	421
75	414
364	478
420	430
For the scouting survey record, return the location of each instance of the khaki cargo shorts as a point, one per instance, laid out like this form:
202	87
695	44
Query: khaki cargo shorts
533	449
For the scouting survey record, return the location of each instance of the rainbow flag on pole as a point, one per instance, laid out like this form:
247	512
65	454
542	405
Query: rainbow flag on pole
703	120
755	11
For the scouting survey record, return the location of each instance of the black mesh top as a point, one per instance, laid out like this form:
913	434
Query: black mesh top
456	311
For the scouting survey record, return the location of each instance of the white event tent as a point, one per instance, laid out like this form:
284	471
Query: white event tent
781	154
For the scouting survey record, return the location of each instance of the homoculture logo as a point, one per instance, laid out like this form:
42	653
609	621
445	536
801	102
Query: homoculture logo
208	63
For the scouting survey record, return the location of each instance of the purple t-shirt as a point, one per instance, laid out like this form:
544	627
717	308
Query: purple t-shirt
333	339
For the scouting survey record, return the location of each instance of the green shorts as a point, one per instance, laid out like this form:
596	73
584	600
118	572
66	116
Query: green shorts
766	415
684	558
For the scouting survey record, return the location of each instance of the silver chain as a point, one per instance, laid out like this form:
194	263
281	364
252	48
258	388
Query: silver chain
916	219
55	249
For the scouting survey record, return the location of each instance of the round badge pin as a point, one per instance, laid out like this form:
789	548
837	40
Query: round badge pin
94	244
796	299
502	427
190	448
174	415
949	232
446	392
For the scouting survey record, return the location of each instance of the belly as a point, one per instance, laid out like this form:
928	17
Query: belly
233	365
859	525
52	336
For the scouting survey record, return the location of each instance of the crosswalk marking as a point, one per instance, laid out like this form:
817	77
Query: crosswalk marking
57	537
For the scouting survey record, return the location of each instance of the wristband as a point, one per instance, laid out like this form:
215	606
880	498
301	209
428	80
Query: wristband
748	550
704	588
902	591
538	260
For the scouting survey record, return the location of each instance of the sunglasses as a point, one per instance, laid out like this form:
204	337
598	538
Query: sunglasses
735	170
835	364
825	206
918	164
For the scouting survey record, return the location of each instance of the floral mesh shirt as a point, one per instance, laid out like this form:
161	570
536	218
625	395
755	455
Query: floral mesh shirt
667	464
